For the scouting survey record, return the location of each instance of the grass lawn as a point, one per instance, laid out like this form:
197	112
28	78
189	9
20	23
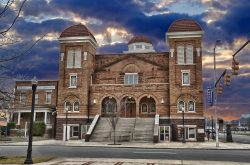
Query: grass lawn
3	138
21	159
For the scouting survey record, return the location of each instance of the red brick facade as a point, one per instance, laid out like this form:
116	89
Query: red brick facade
158	76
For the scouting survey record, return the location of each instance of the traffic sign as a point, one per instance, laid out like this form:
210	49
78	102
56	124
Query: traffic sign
210	96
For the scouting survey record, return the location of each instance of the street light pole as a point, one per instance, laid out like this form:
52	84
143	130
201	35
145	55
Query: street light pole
215	95
29	151
183	140
66	123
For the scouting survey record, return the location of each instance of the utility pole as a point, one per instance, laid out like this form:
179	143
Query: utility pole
215	96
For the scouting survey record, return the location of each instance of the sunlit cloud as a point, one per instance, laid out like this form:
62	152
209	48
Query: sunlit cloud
49	37
163	3
67	16
113	36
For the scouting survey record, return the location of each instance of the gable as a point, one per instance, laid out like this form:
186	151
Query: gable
156	59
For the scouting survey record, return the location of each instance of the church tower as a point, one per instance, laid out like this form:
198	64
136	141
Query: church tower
77	57
184	38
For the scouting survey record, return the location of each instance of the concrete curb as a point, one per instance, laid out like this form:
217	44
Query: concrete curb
174	145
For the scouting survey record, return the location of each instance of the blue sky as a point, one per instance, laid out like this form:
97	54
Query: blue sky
114	22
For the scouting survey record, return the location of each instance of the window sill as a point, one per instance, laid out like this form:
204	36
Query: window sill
74	68
72	87
185	112
130	84
185	85
184	64
72	112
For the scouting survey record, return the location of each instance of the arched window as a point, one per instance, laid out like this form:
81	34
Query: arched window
67	106
191	106
180	54
144	108
153	108
76	106
109	105
181	106
189	54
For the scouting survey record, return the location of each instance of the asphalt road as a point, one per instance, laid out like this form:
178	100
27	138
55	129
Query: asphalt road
130	153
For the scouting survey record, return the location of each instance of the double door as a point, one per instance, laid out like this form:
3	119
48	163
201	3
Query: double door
164	133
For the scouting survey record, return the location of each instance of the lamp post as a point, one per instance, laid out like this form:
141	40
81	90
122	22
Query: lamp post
183	133
215	95
29	151
66	123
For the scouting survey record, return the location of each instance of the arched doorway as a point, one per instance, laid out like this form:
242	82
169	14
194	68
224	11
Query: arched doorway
109	106
147	107
128	107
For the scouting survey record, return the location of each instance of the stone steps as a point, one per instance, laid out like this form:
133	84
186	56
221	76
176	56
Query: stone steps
127	129
102	131
144	130
124	129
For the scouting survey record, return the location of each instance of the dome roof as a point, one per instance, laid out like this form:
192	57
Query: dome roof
184	25
137	39
76	31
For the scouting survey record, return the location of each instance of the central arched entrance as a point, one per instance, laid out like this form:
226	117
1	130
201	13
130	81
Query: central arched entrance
109	106
128	107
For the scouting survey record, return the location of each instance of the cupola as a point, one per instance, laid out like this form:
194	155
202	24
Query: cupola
77	33
140	44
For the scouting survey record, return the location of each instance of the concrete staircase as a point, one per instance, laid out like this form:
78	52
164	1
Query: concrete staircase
144	129
127	129
124	129
102	131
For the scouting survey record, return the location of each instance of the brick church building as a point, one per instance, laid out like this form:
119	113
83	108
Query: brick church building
152	95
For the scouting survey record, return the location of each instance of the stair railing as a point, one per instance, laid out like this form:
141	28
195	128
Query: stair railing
92	127
133	131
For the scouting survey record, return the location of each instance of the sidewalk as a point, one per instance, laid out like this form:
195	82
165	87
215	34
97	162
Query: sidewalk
103	161
80	143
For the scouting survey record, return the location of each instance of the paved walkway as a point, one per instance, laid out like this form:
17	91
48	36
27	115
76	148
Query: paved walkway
194	145
102	161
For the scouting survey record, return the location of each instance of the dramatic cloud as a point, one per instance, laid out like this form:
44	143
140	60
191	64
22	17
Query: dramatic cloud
115	22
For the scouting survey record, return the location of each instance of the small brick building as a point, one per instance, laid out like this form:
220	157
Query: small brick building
138	83
45	104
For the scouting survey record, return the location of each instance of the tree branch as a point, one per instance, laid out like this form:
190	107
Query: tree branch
6	7
20	9
23	53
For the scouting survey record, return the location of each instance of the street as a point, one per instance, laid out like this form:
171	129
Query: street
130	153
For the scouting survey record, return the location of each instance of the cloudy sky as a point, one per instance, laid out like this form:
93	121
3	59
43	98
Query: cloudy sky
114	22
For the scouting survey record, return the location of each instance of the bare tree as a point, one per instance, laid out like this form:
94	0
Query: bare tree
110	108
113	119
11	47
